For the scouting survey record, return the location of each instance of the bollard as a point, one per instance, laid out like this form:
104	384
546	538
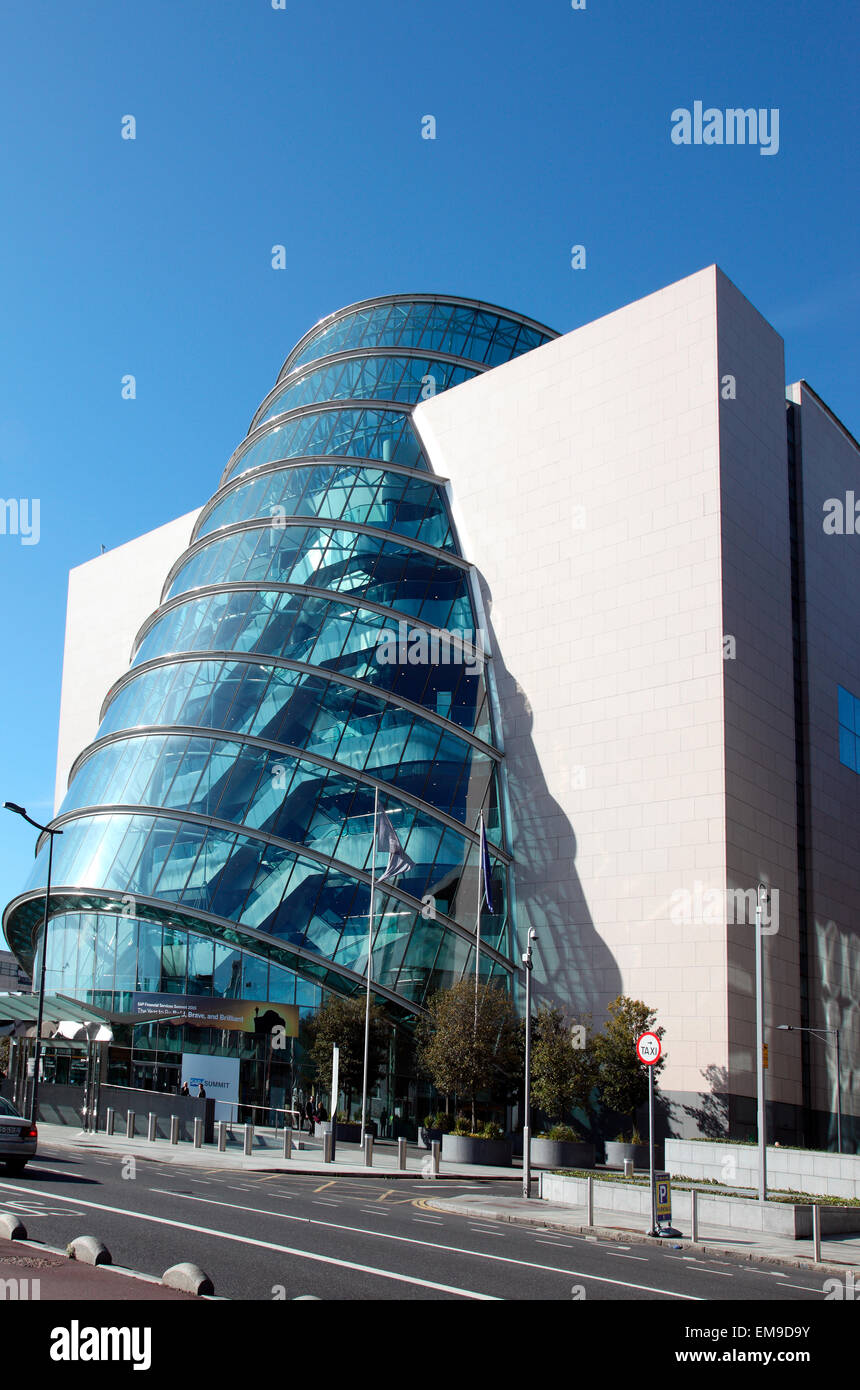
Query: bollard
816	1234
589	1201
249	1139
435	1150
368	1150
628	1167
152	1125
401	1153
327	1138
174	1129
288	1143
129	1124
198	1132
222	1135
109	1120
694	1214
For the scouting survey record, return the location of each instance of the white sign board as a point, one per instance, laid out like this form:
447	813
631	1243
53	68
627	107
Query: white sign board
219	1077
648	1049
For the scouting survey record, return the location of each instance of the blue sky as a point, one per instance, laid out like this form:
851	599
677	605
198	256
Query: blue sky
301	127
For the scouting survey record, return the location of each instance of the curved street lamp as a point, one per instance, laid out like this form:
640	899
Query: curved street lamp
50	832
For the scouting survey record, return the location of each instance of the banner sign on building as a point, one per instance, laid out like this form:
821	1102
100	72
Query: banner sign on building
204	1011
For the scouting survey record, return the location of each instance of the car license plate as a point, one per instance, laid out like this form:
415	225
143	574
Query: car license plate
11	1129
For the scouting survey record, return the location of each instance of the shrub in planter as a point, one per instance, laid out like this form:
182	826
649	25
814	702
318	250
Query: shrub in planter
487	1145
561	1147
434	1127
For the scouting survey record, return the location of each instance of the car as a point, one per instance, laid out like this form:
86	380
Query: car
18	1138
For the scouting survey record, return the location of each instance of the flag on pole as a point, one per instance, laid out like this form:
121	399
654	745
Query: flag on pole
388	843
486	873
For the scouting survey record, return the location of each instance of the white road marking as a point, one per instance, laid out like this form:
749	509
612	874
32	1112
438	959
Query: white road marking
356	1230
322	1202
717	1273
806	1287
485	1231
615	1256
285	1250
554	1244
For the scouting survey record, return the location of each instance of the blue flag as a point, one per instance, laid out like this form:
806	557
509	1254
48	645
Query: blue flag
486	872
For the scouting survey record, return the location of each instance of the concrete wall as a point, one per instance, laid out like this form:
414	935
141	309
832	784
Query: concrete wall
626	513
734	1213
109	598
788	1170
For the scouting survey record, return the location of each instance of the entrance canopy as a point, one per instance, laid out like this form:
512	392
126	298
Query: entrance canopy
61	1017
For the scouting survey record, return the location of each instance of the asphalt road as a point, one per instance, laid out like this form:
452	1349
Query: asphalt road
278	1236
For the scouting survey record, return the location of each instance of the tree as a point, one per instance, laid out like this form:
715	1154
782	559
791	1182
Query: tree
461	1057
622	1080
563	1072
340	1022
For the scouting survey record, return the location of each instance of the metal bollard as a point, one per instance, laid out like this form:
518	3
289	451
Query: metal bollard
109	1120
288	1143
327	1138
222	1135
694	1214
174	1129
198	1132
628	1167
401	1153
129	1124
816	1234
152	1125
589	1201
436	1152
249	1139
368	1150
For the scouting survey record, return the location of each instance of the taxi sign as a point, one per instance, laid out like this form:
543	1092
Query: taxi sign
648	1049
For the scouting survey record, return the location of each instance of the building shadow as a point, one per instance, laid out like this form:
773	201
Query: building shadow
573	967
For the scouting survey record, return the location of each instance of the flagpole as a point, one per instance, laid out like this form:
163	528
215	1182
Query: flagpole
370	917
480	903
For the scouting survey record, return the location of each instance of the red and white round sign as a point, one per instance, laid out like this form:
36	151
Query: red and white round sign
648	1049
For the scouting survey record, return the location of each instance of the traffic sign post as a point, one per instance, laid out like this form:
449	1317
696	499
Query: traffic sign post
648	1050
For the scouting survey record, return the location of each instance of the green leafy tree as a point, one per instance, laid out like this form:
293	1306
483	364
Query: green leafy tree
563	1063
462	1057
340	1022
622	1080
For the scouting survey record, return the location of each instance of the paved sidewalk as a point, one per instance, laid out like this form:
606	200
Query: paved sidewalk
38	1273
837	1253
307	1160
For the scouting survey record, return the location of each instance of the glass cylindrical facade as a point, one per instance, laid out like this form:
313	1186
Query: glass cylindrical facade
316	644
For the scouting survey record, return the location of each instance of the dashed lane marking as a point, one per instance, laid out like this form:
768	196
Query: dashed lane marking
347	1264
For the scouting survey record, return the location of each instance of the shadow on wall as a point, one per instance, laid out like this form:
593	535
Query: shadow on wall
712	1116
573	966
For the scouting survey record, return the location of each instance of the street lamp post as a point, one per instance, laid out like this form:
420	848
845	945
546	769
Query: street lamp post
820	1033
761	892
50	832
527	1134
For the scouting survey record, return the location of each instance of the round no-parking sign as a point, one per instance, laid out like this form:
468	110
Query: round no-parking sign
648	1049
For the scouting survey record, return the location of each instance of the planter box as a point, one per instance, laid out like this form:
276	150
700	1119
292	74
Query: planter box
616	1153
736	1213
426	1137
561	1153
811	1171
460	1148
